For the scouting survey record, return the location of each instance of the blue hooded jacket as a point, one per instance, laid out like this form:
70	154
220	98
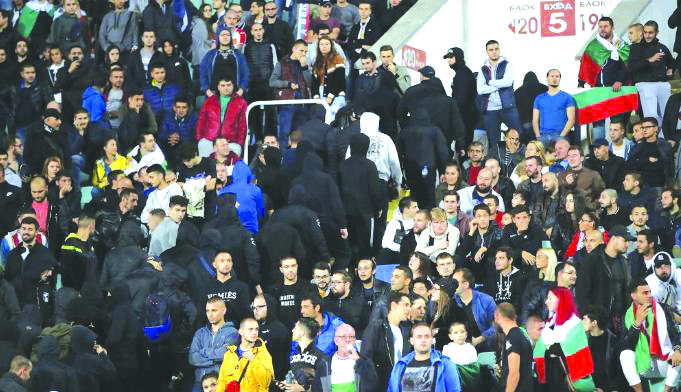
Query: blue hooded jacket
483	311
325	340
93	102
248	195
446	379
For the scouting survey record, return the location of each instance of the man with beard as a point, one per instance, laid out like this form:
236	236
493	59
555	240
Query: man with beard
352	309
370	288
290	292
321	275
641	261
581	179
639	221
671	217
408	244
534	185
554	111
635	192
473	195
544	213
612	214
50	214
277	338
233	291
665	283
502	185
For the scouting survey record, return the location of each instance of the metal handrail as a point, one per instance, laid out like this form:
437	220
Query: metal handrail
279	102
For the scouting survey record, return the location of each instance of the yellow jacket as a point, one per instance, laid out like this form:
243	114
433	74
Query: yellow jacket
258	375
121	162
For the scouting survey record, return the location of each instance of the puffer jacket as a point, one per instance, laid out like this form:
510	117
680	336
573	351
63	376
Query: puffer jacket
248	195
259	374
232	126
261	57
207	350
185	127
446	379
161	100
242	72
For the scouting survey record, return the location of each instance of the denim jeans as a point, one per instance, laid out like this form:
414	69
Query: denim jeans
77	162
492	120
286	118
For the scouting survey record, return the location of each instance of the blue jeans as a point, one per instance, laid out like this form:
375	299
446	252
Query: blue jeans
286	117
546	138
492	120
77	162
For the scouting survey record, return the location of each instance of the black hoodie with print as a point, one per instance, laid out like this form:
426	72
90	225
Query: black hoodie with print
93	369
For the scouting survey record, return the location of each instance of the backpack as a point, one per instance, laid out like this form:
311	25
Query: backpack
61	332
157	321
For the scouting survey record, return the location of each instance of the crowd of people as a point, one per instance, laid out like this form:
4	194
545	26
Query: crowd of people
141	251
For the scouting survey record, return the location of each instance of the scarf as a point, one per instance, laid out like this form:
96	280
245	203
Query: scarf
654	338
614	49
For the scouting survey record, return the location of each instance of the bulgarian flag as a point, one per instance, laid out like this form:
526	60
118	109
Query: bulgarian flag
596	55
575	345
600	103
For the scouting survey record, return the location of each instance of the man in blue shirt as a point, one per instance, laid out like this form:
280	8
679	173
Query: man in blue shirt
554	111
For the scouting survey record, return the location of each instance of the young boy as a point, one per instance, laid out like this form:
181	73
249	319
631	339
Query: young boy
209	382
460	351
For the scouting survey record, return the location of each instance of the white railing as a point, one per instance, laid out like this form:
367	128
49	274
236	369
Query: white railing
262	104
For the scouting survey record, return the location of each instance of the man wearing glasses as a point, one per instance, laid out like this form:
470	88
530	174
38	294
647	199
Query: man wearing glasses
275	335
277	31
653	157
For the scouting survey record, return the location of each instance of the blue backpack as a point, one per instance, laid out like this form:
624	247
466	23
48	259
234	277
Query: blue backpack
157	321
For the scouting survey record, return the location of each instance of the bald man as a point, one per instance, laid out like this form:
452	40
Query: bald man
347	357
51	214
612	214
472	195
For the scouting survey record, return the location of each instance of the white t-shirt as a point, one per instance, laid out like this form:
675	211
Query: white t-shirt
399	346
619	151
342	371
460	354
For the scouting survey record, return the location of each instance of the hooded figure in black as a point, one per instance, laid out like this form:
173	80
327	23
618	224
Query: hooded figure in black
124	258
186	247
464	91
524	99
361	195
277	338
200	270
424	150
38	282
9	336
307	224
384	102
323	197
93	369
64	377
239	241
275	241
322	137
123	337
269	179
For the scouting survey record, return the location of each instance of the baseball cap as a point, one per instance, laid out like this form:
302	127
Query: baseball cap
599	143
662	258
52	113
620	231
326	2
450	53
427	71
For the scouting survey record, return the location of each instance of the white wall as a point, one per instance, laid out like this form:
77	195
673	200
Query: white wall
526	49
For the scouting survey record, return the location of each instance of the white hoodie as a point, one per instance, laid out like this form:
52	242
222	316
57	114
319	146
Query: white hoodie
382	151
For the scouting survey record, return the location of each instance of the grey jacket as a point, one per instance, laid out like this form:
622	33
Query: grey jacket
200	41
120	29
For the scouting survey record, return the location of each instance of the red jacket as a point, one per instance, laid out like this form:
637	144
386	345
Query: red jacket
233	125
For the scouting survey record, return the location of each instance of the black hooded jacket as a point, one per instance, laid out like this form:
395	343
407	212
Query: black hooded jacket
421	143
525	95
275	241
25	277
322	137
200	269
384	101
64	377
120	261
269	179
321	190
464	90
277	338
186	246
359	181
240	243
124	333
93	369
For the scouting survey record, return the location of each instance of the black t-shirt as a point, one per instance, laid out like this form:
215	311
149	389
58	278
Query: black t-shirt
472	324
417	377
517	342
598	346
206	168
288	298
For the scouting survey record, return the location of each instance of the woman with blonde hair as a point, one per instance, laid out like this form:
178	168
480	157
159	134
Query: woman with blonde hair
328	75
533	148
546	262
51	167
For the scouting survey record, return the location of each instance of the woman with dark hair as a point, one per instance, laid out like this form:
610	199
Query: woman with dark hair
587	222
203	36
419	264
328	75
567	222
562	356
177	69
445	311
111	160
454	179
